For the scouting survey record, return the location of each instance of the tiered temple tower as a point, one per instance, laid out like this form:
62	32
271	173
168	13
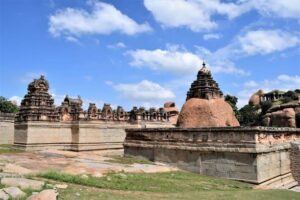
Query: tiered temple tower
37	104
205	87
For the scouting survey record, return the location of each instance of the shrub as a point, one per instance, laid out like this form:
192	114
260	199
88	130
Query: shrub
7	106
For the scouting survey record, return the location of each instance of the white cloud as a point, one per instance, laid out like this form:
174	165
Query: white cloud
280	8
212	36
282	82
103	19
193	14
144	91
180	61
118	45
16	99
72	39
267	41
250	84
166	60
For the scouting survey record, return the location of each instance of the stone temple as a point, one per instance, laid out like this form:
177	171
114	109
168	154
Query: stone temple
208	140
205	105
40	125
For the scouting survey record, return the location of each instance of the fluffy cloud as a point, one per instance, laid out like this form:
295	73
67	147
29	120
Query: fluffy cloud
280	8
103	19
267	41
193	14
282	82
16	99
144	91
177	61
166	60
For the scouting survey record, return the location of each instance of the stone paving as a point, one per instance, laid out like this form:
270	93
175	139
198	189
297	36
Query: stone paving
92	163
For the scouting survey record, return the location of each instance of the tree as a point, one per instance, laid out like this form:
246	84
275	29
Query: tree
248	115
7	106
291	94
232	101
265	107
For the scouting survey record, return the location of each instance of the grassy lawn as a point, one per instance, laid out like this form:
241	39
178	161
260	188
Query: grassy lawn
169	185
129	160
8	148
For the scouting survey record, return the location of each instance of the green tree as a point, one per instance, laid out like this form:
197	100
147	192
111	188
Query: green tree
265	107
291	94
7	106
232	101
248	115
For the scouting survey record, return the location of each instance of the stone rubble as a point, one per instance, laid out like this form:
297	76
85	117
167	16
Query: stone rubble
23	183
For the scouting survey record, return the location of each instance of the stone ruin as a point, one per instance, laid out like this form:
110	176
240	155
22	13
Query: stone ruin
209	141
205	105
41	125
38	105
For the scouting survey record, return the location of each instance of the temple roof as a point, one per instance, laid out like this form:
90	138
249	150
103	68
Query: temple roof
204	87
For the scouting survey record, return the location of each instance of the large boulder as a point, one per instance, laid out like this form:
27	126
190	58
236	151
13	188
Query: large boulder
283	118
255	99
170	108
206	113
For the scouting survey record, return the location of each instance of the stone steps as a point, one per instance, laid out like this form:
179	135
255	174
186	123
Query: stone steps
286	181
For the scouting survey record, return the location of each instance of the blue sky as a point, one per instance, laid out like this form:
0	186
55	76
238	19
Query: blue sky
146	52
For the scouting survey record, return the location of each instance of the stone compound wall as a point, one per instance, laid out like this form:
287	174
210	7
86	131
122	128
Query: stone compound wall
6	128
253	155
295	160
76	136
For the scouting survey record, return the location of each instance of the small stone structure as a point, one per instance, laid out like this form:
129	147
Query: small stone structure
205	105
39	125
7	128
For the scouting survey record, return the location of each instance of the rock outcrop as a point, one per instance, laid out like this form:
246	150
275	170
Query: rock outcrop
284	115
170	108
197	113
255	99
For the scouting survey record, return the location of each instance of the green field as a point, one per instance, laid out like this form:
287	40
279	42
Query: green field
170	185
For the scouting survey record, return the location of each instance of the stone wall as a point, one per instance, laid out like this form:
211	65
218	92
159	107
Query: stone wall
254	154
75	135
295	160
6	128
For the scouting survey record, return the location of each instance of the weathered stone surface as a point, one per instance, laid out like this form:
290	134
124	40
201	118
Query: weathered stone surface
206	113
23	183
255	99
172	111
6	128
15	169
252	154
14	192
281	118
44	195
3	195
295	160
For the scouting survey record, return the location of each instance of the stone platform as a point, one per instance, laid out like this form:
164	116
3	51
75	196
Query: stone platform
255	155
75	135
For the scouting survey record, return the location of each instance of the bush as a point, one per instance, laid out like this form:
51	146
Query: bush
265	106
232	101
292	95
248	116
7	106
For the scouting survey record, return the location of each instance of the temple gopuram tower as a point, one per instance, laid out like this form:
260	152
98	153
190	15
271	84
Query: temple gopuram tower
205	87
205	105
37	104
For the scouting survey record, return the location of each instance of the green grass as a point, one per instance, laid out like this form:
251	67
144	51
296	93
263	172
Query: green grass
8	148
154	182
129	160
161	186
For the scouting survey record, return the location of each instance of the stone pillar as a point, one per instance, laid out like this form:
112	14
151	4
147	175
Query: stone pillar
295	160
